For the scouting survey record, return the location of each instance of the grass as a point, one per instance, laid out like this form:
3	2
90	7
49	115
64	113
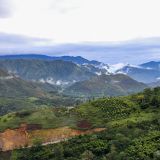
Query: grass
104	112
8	105
134	119
47	117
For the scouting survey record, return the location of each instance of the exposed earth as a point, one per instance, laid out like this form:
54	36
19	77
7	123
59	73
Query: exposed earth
25	135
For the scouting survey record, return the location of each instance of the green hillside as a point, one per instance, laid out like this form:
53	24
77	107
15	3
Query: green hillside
132	130
12	86
17	87
132	125
38	77
57	70
9	105
106	85
98	113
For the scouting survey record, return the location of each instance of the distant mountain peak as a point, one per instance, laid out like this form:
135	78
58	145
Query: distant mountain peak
74	59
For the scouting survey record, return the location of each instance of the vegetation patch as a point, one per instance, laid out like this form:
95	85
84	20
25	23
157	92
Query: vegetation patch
84	124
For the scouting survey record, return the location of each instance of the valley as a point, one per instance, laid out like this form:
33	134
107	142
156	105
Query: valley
72	107
38	76
79	80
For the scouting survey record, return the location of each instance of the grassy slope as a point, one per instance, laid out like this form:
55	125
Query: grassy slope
9	105
99	113
47	117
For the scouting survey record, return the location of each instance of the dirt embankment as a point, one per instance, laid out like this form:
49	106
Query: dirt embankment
24	136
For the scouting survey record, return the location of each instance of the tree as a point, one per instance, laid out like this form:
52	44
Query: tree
37	142
156	155
87	155
155	101
59	152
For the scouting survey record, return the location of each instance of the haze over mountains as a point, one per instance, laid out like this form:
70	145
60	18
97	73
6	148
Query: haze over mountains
106	85
142	73
12	86
75	75
53	72
147	72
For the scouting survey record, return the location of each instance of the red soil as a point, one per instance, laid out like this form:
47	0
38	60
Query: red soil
84	124
16	138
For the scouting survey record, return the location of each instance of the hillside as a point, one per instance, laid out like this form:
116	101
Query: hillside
105	85
151	65
97	112
132	129
154	84
54	72
12	86
146	73
4	74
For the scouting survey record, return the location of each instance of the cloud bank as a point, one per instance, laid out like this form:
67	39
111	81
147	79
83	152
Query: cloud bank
19	44
133	51
5	10
14	39
63	6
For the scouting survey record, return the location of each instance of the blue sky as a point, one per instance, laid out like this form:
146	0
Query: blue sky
111	31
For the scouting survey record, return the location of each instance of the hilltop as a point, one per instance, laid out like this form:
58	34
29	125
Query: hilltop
106	85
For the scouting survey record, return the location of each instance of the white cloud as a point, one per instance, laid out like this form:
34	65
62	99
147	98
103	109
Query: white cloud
84	20
63	6
6	38
133	52
5	9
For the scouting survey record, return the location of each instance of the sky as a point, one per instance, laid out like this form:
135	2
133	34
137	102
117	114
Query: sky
111	31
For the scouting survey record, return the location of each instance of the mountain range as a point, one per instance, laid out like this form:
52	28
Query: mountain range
55	72
77	60
34	75
147	73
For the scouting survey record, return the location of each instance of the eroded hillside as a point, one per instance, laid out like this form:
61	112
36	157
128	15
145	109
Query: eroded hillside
26	136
